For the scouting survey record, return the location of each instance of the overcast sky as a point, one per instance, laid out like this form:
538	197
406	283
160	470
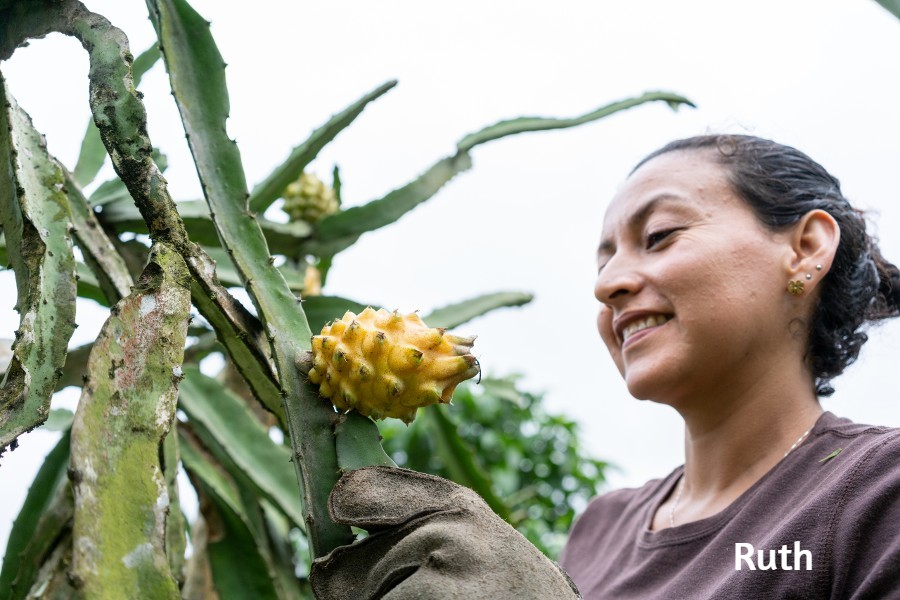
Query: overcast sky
817	74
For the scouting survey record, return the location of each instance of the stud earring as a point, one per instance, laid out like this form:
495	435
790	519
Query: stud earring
808	276
796	287
818	267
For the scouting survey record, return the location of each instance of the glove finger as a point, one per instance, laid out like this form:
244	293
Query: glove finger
377	497
450	555
366	568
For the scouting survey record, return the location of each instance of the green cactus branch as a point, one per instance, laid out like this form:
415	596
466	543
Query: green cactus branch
126	409
527	124
238	331
197	74
341	230
281	238
121	119
893	6
52	581
93	153
222	419
47	511
270	189
36	222
98	250
237	564
176	540
454	315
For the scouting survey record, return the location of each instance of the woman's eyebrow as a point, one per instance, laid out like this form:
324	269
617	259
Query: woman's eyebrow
651	205
641	214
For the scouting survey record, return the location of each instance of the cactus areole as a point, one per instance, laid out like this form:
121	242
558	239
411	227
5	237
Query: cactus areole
384	364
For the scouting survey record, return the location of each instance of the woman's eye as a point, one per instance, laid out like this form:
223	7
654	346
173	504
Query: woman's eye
656	237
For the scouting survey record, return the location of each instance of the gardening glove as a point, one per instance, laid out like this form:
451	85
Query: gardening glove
428	538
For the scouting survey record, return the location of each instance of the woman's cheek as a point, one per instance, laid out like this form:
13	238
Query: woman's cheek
604	326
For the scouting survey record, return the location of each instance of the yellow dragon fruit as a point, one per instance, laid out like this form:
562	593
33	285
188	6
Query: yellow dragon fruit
309	199
384	364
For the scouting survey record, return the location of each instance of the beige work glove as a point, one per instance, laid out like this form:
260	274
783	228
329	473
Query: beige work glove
429	538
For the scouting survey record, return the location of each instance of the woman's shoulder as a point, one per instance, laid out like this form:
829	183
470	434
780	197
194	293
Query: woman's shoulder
623	509
858	444
630	498
859	466
611	521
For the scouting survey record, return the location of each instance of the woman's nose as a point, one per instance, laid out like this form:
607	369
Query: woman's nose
617	279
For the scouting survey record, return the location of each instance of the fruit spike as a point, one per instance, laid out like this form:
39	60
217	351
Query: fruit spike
386	364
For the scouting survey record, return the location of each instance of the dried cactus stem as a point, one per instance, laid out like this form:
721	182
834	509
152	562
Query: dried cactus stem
36	221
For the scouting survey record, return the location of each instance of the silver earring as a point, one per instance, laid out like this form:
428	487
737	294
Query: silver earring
818	267
808	276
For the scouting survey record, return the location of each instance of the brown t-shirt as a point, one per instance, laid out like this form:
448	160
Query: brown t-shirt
829	513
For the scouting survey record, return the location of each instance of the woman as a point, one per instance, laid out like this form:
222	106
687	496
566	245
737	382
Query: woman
733	279
754	275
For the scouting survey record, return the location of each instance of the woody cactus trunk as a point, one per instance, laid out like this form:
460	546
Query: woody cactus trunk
102	518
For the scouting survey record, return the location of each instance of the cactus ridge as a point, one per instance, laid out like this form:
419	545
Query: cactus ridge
386	364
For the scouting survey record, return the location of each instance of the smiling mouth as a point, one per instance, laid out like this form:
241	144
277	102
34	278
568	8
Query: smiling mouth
641	324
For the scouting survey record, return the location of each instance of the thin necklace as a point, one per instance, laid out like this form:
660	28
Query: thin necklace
681	480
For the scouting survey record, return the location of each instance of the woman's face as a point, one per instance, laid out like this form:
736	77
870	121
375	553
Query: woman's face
691	284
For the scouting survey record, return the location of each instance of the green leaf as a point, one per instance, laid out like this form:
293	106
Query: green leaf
359	443
833	454
36	219
93	153
526	124
341	230
458	457
893	6
455	315
47	509
246	441
271	187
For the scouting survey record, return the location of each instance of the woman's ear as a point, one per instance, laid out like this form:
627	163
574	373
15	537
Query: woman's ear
814	242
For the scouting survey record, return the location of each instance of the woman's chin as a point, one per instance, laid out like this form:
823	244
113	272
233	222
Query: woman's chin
653	386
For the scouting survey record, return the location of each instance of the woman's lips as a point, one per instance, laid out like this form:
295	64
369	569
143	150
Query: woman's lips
642	328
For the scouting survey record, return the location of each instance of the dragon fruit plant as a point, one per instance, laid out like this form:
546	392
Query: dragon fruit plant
102	518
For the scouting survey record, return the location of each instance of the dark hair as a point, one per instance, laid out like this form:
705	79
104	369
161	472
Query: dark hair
781	184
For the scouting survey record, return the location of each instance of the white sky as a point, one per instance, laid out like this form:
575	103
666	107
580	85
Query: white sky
817	74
